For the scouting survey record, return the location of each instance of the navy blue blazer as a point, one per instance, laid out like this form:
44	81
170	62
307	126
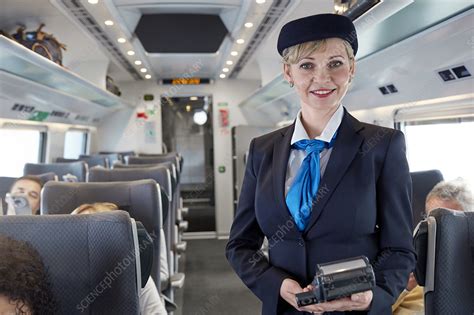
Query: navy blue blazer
362	208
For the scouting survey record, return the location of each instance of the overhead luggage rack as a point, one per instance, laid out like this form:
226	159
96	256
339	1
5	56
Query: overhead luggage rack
272	103
22	62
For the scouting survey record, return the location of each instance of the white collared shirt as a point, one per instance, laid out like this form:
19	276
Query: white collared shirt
297	156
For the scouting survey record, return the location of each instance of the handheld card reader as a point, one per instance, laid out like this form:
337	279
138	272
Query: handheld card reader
339	279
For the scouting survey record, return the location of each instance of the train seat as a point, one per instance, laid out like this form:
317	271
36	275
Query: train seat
423	182
121	154
155	159
91	161
140	198
180	157
162	175
83	253
445	247
111	158
78	169
46	177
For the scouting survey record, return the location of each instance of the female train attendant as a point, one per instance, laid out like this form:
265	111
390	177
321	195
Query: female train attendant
326	188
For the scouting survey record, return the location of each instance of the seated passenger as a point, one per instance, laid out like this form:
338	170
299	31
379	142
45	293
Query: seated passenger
150	300
29	187
25	287
454	195
106	206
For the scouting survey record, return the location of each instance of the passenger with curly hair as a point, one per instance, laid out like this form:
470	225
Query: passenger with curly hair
25	287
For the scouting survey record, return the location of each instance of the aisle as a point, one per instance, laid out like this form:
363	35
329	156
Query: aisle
211	286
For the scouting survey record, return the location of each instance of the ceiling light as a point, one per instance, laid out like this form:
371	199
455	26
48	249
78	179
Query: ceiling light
225	70
200	117
121	40
137	62
260	1
109	23
234	53
240	41
222	76
193	98
93	1
143	70
148	76
248	24
229	62
130	53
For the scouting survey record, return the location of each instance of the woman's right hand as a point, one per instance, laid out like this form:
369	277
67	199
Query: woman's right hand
289	288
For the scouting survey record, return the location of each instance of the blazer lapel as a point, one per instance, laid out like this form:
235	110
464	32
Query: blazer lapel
344	151
281	154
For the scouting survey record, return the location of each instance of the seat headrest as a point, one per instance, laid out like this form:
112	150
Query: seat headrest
422	182
139	197
46	177
78	169
169	154
90	160
90	259
160	174
168	165
154	159
121	155
112	157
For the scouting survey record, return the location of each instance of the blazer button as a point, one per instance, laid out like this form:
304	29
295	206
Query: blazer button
301	242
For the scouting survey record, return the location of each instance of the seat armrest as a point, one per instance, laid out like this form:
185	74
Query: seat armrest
181	247
183	226
177	280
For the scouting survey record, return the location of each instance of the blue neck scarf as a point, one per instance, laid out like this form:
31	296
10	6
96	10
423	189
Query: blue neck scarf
305	186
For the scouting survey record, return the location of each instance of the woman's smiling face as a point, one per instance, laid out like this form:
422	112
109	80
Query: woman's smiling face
322	78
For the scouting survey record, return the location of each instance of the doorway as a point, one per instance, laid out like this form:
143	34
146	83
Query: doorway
187	129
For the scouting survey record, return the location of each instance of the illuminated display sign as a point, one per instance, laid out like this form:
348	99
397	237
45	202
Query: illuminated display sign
186	81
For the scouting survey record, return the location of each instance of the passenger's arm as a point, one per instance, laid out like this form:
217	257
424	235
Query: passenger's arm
396	258
164	269
245	241
150	300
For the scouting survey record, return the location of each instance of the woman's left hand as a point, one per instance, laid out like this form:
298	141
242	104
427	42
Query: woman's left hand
357	302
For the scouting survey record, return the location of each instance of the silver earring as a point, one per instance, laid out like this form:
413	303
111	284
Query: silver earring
291	84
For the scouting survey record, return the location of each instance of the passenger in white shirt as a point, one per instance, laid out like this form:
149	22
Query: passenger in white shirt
150	301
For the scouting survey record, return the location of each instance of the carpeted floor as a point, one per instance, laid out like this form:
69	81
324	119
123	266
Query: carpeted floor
211	286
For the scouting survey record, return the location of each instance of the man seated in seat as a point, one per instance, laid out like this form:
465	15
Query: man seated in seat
454	195
29	187
25	287
150	300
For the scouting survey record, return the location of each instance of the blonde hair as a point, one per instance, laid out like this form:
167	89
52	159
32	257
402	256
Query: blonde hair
294	54
95	207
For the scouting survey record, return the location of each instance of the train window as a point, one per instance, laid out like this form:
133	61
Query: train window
75	143
442	145
20	146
